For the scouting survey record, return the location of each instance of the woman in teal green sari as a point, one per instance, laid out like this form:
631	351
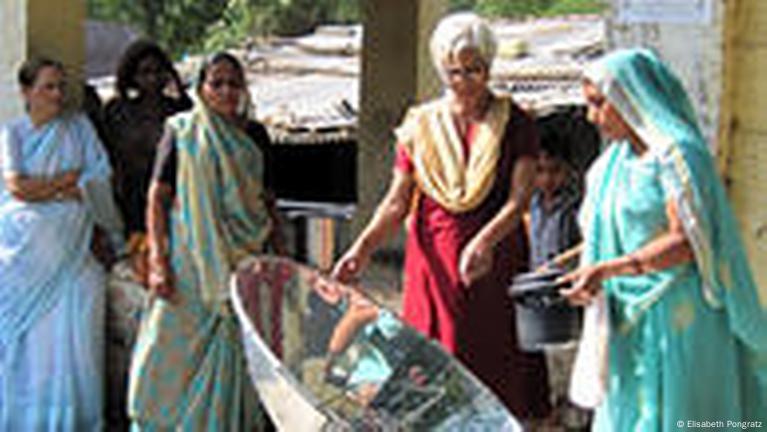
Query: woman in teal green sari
686	327
206	211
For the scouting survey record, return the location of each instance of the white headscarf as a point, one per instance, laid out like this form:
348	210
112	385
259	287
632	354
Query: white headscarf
460	31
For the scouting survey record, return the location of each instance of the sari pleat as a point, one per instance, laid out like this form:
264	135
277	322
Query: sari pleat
188	370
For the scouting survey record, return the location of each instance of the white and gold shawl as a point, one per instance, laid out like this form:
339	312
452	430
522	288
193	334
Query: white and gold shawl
431	138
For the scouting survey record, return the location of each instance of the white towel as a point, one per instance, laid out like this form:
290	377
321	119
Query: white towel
588	384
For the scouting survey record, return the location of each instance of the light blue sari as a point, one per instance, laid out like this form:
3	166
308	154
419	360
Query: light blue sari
51	288
688	343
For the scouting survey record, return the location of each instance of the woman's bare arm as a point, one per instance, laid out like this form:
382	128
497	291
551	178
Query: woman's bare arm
276	236
387	218
667	250
522	182
360	313
476	257
159	201
44	188
671	248
563	258
390	212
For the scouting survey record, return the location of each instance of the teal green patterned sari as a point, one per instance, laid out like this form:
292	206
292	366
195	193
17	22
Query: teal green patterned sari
188	370
688	343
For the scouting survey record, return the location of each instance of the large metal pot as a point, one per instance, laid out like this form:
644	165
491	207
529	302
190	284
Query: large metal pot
544	318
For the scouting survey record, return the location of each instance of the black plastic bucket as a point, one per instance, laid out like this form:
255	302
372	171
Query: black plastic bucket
544	318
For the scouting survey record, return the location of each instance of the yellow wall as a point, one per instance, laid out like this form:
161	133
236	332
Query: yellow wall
743	132
53	28
56	28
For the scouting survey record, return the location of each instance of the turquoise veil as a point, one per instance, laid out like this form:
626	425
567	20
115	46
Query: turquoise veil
652	100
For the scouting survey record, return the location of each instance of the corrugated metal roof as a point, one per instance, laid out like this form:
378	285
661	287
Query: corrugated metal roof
310	83
309	86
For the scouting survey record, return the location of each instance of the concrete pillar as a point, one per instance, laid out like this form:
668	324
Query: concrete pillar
54	29
396	72
13	47
744	127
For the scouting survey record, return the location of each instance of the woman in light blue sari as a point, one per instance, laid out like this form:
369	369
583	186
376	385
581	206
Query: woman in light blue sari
687	329
55	187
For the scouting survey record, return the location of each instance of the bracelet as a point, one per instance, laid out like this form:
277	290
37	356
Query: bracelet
636	265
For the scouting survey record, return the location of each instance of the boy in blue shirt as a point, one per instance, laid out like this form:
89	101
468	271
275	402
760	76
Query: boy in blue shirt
555	202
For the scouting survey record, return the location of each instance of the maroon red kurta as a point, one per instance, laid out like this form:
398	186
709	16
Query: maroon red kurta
475	323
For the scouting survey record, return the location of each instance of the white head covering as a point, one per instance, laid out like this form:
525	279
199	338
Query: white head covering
460	31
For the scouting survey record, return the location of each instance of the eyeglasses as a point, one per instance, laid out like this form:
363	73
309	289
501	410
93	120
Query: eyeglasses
470	72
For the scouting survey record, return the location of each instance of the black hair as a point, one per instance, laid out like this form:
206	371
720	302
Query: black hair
219	57
129	62
30	69
553	139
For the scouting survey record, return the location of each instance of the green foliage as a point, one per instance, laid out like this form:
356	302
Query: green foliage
347	11
249	18
177	24
293	17
112	10
195	25
566	7
501	8
458	5
523	8
192	25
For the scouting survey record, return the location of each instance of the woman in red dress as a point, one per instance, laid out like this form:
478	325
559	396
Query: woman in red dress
464	172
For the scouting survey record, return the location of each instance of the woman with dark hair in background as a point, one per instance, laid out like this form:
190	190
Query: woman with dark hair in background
149	91
206	212
55	187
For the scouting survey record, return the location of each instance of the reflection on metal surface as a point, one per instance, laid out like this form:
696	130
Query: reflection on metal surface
324	356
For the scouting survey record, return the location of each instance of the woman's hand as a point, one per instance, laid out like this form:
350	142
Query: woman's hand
587	283
66	186
67	179
71	193
102	249
350	265
160	278
35	189
476	260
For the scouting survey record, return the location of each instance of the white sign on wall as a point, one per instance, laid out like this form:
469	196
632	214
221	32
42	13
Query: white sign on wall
664	11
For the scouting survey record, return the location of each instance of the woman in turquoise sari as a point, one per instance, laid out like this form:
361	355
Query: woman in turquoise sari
206	212
686	327
55	186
